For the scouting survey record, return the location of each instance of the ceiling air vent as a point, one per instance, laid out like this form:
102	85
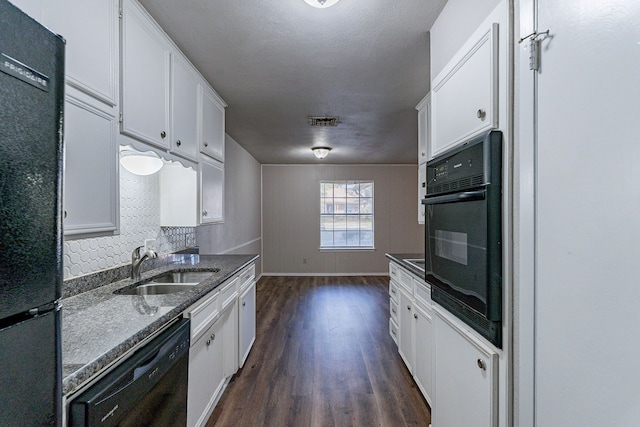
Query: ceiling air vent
323	121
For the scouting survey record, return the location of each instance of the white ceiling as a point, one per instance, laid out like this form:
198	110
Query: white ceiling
276	62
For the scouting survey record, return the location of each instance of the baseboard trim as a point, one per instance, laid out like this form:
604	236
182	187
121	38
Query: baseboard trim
385	273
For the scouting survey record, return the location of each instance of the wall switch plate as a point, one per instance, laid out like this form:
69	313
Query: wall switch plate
150	245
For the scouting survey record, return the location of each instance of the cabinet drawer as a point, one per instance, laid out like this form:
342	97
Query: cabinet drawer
393	290
228	294
393	330
406	281
393	309
247	276
393	271
203	314
422	294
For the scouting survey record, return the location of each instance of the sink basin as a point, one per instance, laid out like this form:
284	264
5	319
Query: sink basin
169	283
184	277
157	288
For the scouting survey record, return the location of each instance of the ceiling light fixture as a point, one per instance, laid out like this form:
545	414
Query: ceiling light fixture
139	163
321	4
321	152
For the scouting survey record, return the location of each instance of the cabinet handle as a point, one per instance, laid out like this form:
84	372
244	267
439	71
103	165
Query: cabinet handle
65	214
393	291
394	311
206	144
163	134
205	213
178	143
244	303
481	114
408	307
415	316
482	365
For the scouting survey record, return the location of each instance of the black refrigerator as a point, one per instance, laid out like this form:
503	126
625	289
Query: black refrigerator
31	156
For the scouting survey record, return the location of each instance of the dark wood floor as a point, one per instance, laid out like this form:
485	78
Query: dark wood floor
322	357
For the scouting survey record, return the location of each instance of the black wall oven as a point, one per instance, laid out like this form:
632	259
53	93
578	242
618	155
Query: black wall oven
463	227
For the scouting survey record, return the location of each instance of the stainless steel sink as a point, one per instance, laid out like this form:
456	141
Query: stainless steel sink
184	277
169	283
157	288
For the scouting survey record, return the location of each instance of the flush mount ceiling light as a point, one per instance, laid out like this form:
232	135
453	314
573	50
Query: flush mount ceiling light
321	4
139	163
321	152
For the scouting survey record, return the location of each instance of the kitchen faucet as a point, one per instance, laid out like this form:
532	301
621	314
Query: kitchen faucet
137	258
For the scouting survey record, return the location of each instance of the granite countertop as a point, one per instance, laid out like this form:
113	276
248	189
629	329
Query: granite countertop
98	326
399	259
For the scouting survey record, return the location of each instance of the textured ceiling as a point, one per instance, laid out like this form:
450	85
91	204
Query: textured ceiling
276	62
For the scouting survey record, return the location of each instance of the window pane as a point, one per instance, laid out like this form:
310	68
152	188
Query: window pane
366	205
340	238
353	238
366	189
366	238
353	205
366	222
326	189
340	205
339	190
326	222
326	238
353	222
326	206
340	222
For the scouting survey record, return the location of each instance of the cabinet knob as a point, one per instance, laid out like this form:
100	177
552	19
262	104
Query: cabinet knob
393	291
178	143
213	337
244	303
408	307
415	316
65	214
482	364
206	144
394	310
208	343
205	213
163	134
481	114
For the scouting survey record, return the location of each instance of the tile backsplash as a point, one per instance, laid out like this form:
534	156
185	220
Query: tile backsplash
139	220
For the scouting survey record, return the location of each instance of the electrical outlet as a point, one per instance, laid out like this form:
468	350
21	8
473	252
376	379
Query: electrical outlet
304	260
150	245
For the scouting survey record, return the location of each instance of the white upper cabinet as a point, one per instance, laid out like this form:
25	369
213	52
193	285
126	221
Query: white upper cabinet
91	170
211	191
464	97
211	124
178	196
146	61
424	117
90	29
184	108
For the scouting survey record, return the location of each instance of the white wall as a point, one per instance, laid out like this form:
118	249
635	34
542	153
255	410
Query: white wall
457	21
291	218
240	233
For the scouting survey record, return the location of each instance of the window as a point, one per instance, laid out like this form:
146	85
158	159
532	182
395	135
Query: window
346	214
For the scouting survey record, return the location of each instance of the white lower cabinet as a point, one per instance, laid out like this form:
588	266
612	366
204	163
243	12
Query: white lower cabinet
247	322
206	375
423	360
405	324
215	342
465	376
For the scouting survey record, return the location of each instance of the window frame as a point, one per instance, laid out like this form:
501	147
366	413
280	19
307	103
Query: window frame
358	215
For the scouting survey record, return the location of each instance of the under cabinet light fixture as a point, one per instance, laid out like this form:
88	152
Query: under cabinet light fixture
138	163
321	4
321	152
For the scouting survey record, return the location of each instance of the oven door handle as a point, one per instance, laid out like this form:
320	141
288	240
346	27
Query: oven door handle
466	196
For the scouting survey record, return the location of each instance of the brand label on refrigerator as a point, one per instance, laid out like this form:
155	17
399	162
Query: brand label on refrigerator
20	71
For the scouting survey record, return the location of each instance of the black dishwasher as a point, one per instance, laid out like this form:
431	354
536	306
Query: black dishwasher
147	389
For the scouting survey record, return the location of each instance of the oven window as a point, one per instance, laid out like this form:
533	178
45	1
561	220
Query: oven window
451	245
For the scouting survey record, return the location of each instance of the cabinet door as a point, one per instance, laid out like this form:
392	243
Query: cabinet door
465	378
247	322
184	109
405	346
91	167
230	340
145	78
91	31
178	196
211	125
423	129
465	94
211	191
422	366
205	375
422	191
